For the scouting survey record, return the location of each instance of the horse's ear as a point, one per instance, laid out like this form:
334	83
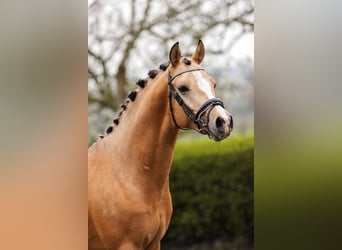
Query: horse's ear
199	53
175	54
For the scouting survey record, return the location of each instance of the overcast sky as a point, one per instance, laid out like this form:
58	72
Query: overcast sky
244	47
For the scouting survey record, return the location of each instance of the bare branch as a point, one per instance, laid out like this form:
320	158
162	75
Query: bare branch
92	75
116	33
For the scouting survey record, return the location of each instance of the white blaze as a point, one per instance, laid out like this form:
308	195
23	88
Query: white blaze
203	84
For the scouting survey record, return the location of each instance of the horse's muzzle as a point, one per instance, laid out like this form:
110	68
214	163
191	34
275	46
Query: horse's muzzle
221	126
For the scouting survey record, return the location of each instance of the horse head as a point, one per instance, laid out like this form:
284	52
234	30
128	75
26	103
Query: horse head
194	91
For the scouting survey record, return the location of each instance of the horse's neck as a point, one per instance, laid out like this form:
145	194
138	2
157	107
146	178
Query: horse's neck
147	136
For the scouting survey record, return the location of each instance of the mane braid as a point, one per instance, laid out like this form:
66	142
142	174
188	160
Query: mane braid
141	83
186	61
164	66
132	95
109	130
152	73
123	106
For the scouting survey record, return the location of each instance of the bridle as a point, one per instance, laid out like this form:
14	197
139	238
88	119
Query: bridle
202	125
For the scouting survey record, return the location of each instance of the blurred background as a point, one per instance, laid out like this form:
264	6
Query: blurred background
212	186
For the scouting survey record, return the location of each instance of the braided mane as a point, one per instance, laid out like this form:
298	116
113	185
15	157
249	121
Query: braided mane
132	95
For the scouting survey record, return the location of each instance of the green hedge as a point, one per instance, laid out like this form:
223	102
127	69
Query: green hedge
212	191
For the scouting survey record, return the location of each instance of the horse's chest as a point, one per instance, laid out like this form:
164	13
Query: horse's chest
149	217
148	227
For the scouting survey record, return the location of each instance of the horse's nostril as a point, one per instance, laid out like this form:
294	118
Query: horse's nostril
231	122
219	123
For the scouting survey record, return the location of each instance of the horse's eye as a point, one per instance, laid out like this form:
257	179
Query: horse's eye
215	85
183	89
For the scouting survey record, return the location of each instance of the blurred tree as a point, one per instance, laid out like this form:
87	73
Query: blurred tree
122	31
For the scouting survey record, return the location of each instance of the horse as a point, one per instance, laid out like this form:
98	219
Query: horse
129	200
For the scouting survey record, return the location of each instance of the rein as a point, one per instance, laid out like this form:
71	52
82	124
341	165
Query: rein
202	126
